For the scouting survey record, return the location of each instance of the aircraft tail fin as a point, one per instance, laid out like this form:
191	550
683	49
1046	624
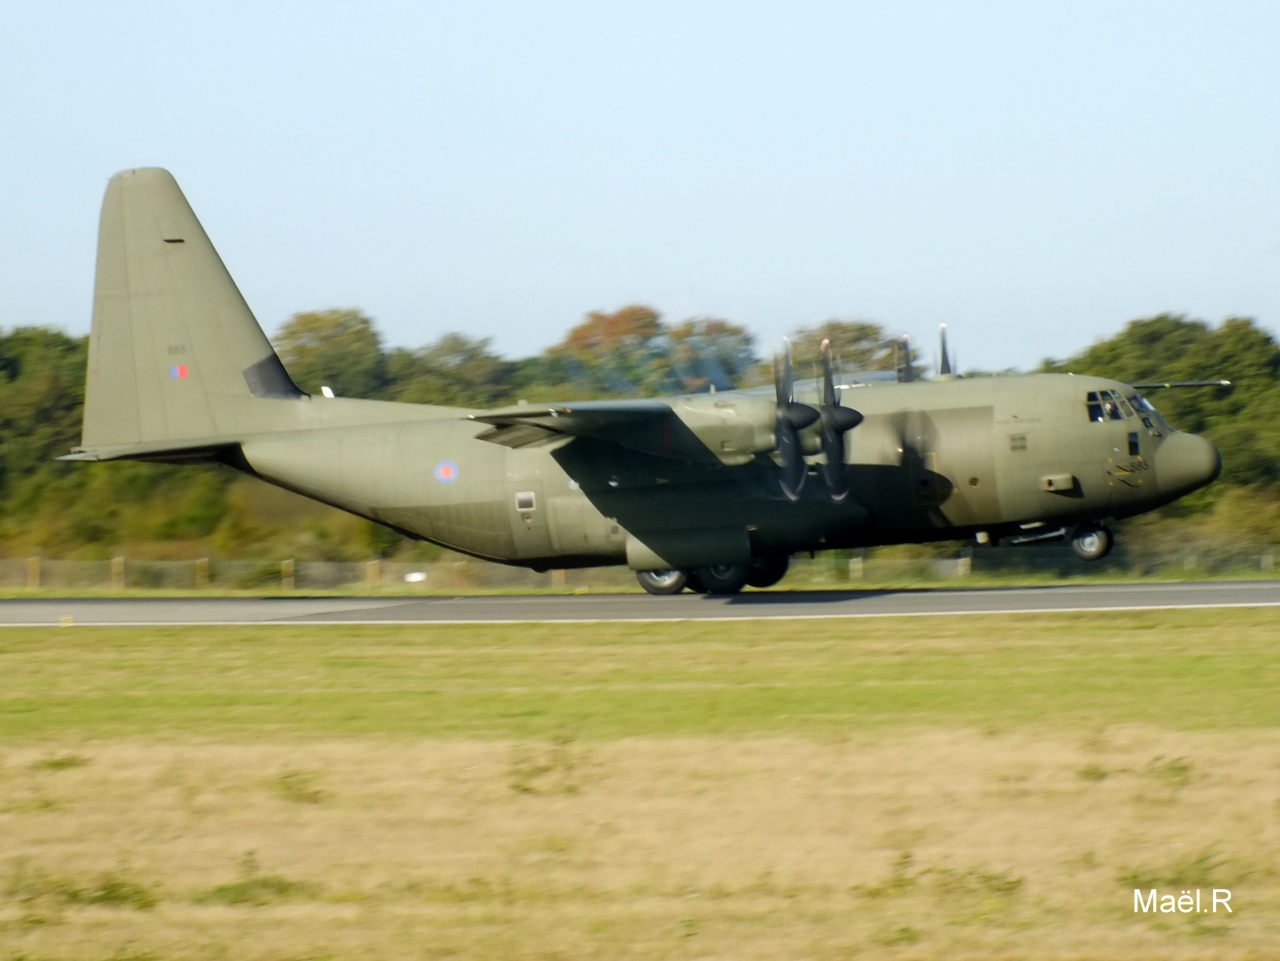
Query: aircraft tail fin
173	341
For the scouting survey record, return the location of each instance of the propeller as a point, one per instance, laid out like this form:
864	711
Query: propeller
906	370
836	422
791	418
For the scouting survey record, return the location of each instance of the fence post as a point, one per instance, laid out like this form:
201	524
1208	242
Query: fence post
33	572
373	573
286	575
202	573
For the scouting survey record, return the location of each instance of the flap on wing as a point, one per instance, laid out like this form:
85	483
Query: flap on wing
650	426
520	435
196	450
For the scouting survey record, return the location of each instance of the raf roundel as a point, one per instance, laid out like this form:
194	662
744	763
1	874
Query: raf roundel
446	472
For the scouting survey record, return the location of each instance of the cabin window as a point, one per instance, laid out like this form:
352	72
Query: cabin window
525	501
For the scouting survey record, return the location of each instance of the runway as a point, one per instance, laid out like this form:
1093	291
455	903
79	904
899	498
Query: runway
190	611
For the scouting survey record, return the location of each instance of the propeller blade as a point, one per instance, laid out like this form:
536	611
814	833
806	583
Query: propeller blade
906	370
782	383
944	364
793	469
790	419
836	422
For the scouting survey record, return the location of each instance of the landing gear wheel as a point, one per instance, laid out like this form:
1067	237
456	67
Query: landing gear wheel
767	569
1092	542
693	583
662	582
722	578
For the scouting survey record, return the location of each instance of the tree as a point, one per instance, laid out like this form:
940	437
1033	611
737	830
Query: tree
1243	421
617	353
709	352
41	399
456	370
631	351
339	349
856	345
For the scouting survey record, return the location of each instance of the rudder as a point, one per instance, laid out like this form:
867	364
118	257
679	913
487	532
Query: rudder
171	334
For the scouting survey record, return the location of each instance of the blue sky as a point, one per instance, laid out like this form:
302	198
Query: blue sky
1035	175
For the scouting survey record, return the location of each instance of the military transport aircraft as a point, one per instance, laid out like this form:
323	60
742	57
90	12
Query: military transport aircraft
708	492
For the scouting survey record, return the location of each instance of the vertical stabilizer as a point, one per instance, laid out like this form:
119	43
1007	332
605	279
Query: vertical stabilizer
172	336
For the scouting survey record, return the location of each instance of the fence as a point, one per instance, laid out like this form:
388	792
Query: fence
464	574
212	574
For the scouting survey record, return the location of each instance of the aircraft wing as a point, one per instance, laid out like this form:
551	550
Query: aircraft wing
650	426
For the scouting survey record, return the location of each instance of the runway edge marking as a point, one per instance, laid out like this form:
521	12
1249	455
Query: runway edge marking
648	620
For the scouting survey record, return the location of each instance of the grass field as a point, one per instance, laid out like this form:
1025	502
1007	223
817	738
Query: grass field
984	787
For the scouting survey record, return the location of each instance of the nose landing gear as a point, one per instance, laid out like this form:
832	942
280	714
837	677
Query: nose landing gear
1092	542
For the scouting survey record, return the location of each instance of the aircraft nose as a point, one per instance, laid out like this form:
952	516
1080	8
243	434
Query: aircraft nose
1185	462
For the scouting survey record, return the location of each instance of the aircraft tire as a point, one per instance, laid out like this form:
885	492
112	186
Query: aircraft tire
723	578
1092	542
765	570
662	582
693	583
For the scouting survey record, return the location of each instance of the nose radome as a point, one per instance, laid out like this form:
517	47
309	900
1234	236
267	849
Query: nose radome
1185	462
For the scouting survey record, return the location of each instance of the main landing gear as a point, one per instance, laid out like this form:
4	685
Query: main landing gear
763	571
662	582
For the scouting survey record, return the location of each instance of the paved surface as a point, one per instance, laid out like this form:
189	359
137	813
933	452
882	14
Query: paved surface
635	607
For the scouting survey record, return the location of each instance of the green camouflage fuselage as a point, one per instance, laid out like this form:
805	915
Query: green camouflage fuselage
179	370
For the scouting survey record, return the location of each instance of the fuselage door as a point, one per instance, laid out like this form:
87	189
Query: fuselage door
528	513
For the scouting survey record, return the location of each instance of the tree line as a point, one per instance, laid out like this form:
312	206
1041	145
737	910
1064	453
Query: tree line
147	510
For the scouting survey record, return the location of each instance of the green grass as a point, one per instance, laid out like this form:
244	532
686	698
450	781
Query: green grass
1193	670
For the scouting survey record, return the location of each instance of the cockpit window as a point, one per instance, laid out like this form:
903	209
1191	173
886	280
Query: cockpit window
1104	405
1150	416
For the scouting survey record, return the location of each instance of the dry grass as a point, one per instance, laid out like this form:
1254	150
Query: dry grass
924	845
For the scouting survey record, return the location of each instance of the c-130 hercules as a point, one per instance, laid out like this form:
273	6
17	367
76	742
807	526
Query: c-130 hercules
709	492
